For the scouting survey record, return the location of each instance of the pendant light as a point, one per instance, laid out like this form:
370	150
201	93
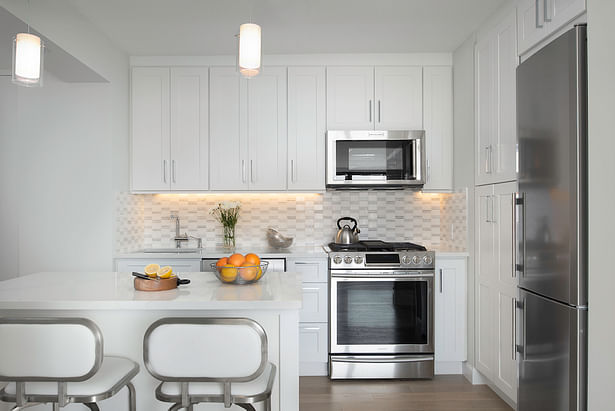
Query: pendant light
27	60
249	60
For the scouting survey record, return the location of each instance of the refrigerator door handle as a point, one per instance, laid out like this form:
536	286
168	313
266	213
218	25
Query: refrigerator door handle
520	348
519	234
514	329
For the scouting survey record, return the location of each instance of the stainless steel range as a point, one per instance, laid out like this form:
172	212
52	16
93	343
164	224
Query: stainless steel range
381	310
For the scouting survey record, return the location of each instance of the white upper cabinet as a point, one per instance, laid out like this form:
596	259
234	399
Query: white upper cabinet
228	131
438	124
540	18
350	98
306	128
496	136
189	128
150	129
267	130
398	101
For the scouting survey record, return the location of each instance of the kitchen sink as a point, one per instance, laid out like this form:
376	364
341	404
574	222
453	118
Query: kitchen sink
172	250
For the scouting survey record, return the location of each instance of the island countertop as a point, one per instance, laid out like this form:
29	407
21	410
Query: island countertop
115	291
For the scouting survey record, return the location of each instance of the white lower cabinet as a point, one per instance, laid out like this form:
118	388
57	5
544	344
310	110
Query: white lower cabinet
313	317
495	287
450	314
179	265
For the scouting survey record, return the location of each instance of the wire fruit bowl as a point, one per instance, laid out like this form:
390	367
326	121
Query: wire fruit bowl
240	275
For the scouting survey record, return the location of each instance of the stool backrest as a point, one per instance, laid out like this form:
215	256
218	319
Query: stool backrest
205	349
49	349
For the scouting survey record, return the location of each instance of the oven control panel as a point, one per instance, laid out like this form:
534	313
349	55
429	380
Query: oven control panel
409	260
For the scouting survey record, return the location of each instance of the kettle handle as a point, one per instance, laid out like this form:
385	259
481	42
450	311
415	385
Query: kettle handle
349	219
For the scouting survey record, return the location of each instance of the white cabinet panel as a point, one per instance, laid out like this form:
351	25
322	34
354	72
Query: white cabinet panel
313	345
484	103
450	309
398	101
314	270
438	125
180	265
503	225
150	129
350	98
506	377
189	128
314	303
228	132
306	128
267	130
561	12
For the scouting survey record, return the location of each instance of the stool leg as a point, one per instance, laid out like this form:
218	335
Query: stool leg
92	406
132	398
175	407
248	407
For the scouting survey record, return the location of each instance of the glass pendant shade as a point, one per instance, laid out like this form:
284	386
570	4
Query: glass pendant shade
249	49
28	60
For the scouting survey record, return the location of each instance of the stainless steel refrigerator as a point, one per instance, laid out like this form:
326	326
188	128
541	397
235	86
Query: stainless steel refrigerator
551	226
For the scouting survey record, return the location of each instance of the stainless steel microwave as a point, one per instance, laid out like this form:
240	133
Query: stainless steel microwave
368	158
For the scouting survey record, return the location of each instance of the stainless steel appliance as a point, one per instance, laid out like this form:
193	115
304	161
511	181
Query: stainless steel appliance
346	234
366	158
381	310
551	226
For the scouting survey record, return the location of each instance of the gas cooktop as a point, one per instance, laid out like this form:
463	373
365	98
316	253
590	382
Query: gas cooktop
376	246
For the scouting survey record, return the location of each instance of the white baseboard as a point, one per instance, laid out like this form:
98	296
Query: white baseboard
473	375
313	369
448	367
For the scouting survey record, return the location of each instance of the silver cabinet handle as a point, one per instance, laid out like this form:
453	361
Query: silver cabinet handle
538	22
173	170
487	209
514	329
493	220
490	159
370	110
164	171
428	177
243	171
487	171
303	263
440	281
546	17
292	171
251	171
379	111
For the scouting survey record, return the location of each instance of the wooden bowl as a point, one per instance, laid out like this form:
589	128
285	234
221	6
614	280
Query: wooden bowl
156	284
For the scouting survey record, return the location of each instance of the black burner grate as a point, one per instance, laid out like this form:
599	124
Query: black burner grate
377	245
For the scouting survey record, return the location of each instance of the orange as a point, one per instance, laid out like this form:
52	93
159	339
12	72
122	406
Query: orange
253	259
237	260
248	272
221	262
228	273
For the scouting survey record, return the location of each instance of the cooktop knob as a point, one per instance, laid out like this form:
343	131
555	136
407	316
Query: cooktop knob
337	259
427	259
405	259
358	259
348	259
416	259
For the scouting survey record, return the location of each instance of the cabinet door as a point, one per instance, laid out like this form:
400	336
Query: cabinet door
398	101
350	98
486	281
505	95
484	110
313	270
228	157
306	128
438	123
314	303
150	129
560	12
531	25
505	377
313	348
450	309
189	128
180	265
267	130
503	236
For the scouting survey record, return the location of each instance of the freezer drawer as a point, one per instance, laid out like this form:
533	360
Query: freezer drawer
552	355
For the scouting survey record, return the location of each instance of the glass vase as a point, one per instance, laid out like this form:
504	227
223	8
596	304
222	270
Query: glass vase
229	236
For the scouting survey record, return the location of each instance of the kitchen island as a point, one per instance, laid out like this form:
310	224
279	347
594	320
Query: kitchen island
123	314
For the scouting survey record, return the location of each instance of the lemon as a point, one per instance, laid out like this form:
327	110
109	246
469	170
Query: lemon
165	272
228	273
152	270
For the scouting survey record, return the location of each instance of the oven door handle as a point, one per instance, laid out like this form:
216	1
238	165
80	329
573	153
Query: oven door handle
382	358
380	276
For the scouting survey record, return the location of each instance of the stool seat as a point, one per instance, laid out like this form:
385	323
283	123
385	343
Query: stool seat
112	375
198	389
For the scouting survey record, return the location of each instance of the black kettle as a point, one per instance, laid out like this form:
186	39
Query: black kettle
347	234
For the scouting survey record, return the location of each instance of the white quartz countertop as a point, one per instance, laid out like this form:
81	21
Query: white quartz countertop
115	291
292	252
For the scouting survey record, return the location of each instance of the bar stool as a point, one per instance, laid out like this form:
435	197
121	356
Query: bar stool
59	361
221	360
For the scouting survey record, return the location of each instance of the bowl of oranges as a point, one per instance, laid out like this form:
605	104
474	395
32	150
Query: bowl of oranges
240	269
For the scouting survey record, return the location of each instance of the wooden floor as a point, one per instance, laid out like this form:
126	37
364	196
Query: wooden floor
443	393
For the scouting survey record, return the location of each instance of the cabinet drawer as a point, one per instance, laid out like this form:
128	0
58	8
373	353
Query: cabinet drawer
179	265
314	270
313	346
314	303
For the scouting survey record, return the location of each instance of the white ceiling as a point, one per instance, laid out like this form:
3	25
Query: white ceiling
207	27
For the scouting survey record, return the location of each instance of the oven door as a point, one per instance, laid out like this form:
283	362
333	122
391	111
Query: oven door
381	315
375	158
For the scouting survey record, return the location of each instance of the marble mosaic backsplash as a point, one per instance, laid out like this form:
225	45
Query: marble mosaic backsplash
436	220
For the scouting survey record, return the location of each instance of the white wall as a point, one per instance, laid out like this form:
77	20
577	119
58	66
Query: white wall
463	109
601	60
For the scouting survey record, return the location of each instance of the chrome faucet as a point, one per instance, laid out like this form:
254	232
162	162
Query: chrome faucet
178	237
